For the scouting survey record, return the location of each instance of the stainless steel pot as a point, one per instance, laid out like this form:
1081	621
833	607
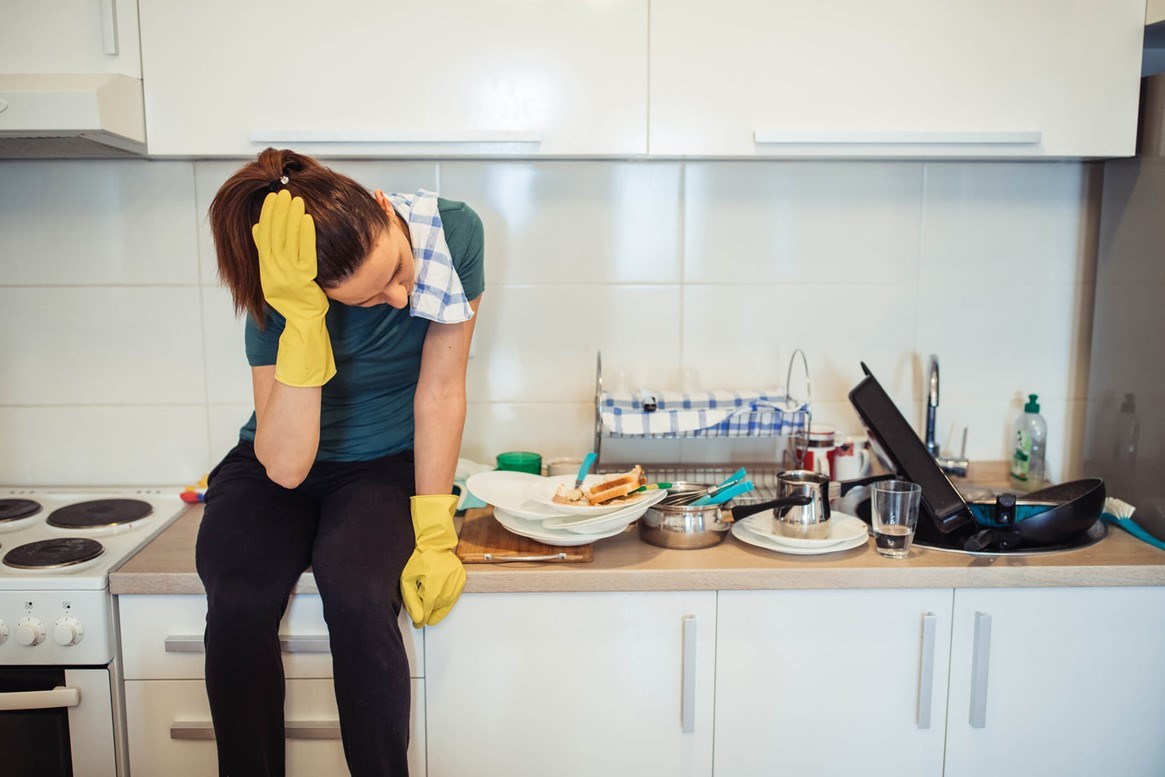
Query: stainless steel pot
684	527
809	521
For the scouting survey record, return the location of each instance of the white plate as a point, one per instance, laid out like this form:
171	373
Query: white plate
507	490
842	528
542	493
535	531
601	523
742	533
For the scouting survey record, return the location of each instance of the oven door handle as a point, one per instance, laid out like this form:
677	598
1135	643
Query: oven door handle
40	700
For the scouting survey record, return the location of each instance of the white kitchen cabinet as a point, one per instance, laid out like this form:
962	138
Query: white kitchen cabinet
966	78
167	713
572	684
70	36
1057	682
407	77
831	682
169	730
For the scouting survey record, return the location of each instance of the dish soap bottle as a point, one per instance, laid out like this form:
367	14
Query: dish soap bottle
1029	443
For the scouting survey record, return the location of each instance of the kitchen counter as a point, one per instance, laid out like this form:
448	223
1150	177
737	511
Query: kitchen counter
624	563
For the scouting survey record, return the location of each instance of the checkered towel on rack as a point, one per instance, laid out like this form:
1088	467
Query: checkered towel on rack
437	294
706	414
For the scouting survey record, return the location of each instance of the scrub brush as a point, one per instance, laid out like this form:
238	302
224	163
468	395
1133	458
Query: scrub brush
1120	513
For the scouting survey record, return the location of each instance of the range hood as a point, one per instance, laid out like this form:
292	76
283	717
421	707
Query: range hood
71	115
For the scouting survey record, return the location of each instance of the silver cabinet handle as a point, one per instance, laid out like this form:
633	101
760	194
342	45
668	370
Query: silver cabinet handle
980	660
361	136
688	709
40	700
292	729
904	137
926	670
313	643
109	26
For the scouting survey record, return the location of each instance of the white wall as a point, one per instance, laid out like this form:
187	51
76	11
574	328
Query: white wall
122	363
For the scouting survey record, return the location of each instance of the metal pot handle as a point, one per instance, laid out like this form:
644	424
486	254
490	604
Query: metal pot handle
743	511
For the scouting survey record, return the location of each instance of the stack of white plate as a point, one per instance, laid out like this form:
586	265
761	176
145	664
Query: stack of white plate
523	504
845	532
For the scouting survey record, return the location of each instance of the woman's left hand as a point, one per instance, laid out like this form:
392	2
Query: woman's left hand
433	578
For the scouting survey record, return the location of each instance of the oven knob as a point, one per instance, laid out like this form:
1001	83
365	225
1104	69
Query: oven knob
68	631
30	631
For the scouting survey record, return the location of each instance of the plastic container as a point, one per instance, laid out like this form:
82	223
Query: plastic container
1028	445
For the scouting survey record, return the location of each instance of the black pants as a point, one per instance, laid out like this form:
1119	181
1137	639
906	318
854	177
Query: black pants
350	522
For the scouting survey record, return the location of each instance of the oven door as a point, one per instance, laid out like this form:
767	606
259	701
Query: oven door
57	721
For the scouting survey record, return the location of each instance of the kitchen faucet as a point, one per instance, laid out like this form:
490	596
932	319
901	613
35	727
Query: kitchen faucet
951	466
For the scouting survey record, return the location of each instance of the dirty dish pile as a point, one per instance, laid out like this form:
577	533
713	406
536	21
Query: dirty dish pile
524	505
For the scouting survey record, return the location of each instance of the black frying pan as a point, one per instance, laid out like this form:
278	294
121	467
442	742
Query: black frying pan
1076	506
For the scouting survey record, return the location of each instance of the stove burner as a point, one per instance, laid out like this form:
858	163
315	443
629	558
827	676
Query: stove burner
11	509
51	554
99	512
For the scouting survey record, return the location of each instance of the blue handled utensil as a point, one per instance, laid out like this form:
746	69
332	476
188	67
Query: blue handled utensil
732	479
588	462
1120	513
724	494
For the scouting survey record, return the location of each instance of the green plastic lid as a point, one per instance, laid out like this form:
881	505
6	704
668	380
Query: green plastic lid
1032	405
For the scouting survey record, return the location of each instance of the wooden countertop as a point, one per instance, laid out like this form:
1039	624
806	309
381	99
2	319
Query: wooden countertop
624	563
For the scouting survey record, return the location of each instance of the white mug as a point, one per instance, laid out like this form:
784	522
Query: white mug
851	461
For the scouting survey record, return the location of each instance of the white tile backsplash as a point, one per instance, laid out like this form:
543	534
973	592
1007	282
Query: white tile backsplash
111	223
123	345
1004	223
806	222
123	361
574	222
90	445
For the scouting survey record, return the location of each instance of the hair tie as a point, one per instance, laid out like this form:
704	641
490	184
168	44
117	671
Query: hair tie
274	185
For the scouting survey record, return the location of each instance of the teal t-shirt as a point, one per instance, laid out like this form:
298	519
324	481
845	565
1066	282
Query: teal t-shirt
367	408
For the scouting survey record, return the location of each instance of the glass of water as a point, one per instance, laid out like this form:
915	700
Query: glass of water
894	514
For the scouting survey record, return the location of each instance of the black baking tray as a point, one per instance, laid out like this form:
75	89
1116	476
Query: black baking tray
886	425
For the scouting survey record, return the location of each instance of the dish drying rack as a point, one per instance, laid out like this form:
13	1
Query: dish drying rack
761	416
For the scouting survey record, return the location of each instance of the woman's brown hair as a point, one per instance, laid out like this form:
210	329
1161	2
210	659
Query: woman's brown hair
348	222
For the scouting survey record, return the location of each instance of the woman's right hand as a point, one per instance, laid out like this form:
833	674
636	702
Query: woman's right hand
286	239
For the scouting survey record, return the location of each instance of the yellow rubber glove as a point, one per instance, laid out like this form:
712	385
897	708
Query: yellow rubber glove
434	577
286	239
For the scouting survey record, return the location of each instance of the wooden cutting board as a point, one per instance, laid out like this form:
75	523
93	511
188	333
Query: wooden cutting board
483	540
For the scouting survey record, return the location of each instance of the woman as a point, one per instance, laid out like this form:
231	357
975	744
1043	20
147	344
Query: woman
359	408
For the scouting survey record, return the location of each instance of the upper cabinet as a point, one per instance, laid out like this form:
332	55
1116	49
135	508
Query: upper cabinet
407	77
914	78
70	36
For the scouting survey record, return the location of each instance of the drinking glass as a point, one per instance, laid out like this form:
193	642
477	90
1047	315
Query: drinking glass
894	514
520	461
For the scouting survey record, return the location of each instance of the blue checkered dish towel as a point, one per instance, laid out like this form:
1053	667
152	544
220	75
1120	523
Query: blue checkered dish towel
703	414
437	294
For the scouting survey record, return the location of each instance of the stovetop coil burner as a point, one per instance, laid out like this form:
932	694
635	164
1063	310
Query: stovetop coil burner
55	553
14	509
98	513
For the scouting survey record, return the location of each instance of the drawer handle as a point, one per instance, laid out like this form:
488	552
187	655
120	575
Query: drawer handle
292	729
315	643
980	662
688	710
358	136
904	137
40	700
926	670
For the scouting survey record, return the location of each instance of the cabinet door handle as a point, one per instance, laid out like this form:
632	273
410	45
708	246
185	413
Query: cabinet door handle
926	669
360	136
40	700
313	643
897	137
109	26
688	708
292	729
980	660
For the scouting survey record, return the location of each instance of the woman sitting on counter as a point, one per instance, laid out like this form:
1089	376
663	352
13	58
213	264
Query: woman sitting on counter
360	310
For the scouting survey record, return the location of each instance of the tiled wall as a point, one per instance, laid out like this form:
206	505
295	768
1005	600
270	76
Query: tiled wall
122	362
